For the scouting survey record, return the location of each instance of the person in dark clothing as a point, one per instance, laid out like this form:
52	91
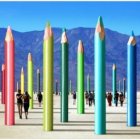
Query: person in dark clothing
116	97
86	96
19	103
109	99
90	98
26	98
39	96
121	99
74	98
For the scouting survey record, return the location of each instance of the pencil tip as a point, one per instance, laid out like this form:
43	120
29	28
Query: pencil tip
63	30
114	66
48	31
37	70
22	71
80	46
132	40
100	21
48	24
132	33
100	28
9	35
29	57
64	36
8	28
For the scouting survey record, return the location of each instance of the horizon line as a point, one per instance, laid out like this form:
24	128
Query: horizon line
40	30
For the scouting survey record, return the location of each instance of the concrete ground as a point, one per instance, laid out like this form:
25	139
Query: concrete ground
78	127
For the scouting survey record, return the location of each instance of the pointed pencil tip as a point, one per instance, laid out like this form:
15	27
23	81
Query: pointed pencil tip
132	40
114	66
48	31
29	57
38	71
63	30
100	21
64	36
9	35
132	33
80	46
22	71
100	28
48	24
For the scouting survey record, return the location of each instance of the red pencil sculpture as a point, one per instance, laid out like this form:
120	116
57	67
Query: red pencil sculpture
3	84
9	77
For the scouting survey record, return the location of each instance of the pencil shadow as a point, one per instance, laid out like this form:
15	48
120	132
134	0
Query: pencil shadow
123	132
68	108
36	118
81	122
37	108
116	113
28	124
75	124
94	122
74	130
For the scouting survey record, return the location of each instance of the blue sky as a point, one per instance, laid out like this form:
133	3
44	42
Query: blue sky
27	16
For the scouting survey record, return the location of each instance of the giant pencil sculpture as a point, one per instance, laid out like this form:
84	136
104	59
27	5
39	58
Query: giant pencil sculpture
100	83
38	81
3	84
48	79
88	83
119	85
22	81
9	77
70	87
30	79
124	87
131	82
64	77
113	80
80	78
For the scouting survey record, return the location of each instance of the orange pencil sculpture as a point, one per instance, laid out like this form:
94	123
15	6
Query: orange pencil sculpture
9	77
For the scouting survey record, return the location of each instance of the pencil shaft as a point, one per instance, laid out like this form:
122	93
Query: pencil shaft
9	81
30	82
48	83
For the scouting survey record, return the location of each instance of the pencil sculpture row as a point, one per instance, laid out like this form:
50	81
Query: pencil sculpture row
8	79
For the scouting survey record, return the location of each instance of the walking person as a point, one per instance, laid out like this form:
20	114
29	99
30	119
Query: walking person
39	96
86	96
19	103
109	99
26	98
90	98
121	99
74	98
116	97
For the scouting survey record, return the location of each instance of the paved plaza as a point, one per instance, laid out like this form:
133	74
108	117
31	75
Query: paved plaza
80	126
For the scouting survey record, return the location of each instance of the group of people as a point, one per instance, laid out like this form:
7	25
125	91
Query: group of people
117	97
90	98
23	100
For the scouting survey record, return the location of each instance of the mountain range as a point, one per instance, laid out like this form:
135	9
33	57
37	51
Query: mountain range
116	52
